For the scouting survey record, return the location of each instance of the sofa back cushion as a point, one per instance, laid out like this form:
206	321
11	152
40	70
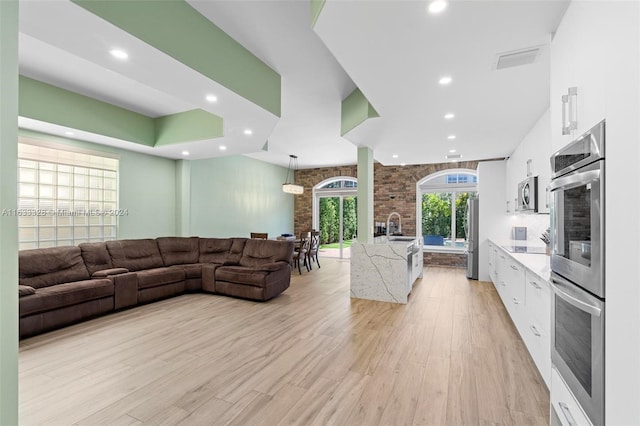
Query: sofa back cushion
95	256
221	250
134	255
45	267
258	252
178	250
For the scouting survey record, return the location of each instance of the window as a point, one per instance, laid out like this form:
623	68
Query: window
65	197
444	200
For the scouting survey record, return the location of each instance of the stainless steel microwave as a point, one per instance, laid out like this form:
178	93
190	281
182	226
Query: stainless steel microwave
528	195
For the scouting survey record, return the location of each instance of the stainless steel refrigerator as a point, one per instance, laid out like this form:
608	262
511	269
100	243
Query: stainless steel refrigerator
471	227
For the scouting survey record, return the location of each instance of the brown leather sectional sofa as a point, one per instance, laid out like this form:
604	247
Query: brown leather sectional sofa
62	285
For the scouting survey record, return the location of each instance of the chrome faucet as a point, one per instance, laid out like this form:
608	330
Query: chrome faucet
389	223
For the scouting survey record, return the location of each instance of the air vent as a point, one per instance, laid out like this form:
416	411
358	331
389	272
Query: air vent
453	157
517	57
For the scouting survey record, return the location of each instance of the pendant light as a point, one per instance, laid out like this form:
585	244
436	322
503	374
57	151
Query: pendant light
288	186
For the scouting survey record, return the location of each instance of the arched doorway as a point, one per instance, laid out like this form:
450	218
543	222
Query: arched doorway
335	215
440	209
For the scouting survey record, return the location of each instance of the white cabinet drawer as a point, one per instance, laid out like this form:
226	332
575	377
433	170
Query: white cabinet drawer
538	301
564	403
538	343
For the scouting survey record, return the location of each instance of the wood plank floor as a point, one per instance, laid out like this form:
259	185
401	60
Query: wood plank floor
311	356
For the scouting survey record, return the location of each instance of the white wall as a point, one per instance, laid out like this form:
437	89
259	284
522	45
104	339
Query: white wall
597	49
492	217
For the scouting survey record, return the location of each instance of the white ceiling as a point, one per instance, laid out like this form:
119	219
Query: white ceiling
393	50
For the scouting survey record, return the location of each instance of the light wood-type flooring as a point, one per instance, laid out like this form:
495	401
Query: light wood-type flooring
311	356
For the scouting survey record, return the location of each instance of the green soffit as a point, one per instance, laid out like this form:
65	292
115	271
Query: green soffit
355	110
51	104
180	31
316	8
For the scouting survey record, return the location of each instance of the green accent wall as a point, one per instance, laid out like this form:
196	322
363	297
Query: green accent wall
234	196
316	9
8	224
180	31
44	102
194	125
147	189
355	110
183	198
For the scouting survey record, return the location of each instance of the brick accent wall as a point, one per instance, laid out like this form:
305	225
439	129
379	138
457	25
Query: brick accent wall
394	190
453	260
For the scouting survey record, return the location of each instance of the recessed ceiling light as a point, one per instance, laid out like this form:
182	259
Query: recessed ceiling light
212	98
69	133
445	80
437	6
185	153
452	151
222	148
451	137
120	54
395	155
248	132
449	115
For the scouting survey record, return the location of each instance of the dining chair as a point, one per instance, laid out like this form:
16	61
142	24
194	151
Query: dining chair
314	246
300	251
260	235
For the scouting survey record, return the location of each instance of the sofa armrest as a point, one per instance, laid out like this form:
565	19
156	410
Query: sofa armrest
104	273
25	290
272	267
209	277
125	289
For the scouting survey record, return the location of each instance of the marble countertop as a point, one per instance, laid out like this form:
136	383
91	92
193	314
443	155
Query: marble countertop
539	264
385	240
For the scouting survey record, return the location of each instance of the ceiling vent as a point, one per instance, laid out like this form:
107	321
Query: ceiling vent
453	157
517	57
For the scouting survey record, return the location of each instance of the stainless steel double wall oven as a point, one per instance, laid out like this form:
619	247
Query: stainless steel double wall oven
578	268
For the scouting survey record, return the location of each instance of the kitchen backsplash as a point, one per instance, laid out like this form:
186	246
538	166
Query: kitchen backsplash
536	224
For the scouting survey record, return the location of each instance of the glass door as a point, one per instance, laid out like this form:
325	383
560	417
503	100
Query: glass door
337	223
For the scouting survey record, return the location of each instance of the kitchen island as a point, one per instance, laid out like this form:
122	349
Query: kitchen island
386	269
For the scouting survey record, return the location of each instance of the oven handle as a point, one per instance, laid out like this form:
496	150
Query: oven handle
561	286
575	179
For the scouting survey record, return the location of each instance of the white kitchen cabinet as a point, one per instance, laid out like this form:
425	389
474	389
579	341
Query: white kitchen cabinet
537	325
564	405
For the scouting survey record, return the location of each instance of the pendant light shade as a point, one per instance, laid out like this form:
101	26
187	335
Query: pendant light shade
288	186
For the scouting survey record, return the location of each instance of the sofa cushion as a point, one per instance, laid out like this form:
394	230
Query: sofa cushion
214	250
242	275
96	257
191	270
159	276
178	250
25	290
258	252
50	266
135	255
59	296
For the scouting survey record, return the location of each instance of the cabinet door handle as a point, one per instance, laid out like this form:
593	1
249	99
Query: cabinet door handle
565	103
546	197
515	301
567	414
535	330
514	268
535	285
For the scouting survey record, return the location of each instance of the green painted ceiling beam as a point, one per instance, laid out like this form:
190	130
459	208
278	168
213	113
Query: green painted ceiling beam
180	31
185	126
51	104
316	8
355	110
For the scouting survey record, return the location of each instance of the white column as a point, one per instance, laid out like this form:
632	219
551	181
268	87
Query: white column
365	195
183	198
8	224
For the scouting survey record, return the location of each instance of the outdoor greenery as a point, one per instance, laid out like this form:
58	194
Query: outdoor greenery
330	219
436	214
